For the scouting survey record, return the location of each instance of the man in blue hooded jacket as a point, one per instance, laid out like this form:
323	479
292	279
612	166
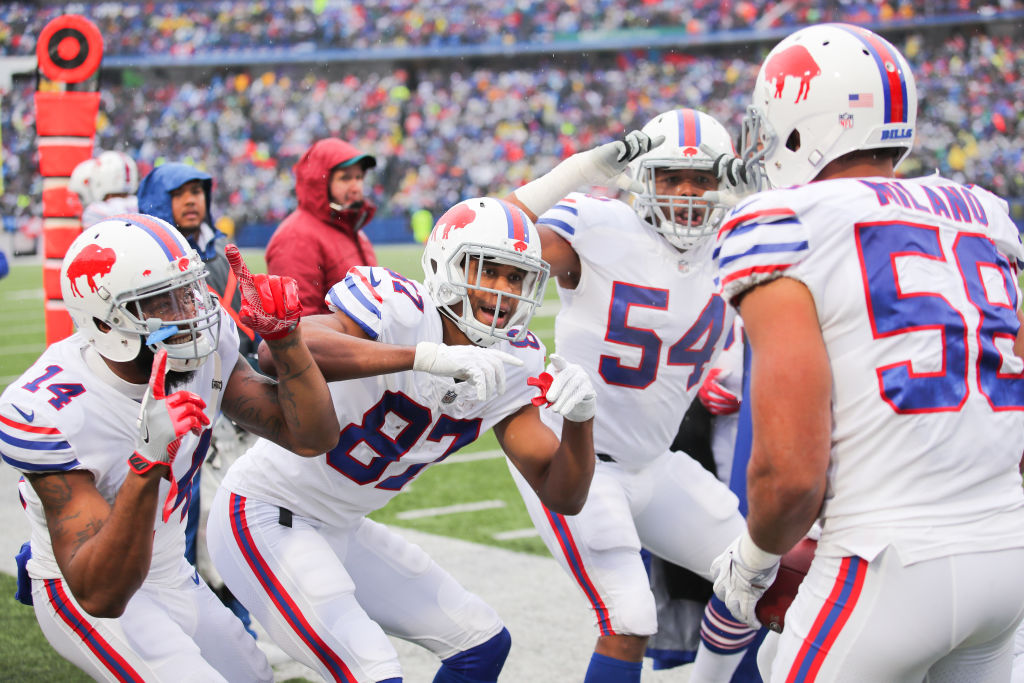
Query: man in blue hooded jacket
180	194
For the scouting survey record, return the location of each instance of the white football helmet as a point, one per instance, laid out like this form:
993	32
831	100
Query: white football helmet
689	137
80	181
484	230
826	91
115	173
133	279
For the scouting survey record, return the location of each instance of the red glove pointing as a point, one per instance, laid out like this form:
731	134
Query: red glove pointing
270	303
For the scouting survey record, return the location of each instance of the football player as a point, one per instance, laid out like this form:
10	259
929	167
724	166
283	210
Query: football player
80	182
641	315
887	391
106	483
290	535
113	181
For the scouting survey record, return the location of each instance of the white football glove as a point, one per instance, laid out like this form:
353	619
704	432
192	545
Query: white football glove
482	369
736	180
611	159
567	390
741	575
595	166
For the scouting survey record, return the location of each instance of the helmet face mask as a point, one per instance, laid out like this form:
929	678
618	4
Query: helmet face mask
826	91
180	316
693	141
133	280
467	248
685	221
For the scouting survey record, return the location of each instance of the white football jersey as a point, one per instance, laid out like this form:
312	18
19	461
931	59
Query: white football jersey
645	322
112	206
70	412
392	426
915	285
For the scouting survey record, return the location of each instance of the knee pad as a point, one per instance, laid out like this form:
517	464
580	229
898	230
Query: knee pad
480	664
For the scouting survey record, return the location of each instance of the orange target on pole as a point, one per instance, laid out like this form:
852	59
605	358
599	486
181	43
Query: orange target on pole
68	52
69	49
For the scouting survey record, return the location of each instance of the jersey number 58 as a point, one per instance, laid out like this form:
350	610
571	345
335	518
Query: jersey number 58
988	283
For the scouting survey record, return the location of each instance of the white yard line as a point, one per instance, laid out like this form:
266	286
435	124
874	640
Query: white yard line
21	294
24	348
515	534
451	509
472	457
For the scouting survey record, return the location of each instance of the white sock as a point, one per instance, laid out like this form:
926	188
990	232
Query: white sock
714	667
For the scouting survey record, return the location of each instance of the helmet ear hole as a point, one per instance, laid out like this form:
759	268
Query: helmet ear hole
841	85
101	326
793	141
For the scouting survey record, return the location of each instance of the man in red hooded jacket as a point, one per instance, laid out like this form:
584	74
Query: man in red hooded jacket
320	240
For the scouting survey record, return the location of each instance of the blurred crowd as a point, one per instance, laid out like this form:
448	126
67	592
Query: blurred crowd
441	134
190	27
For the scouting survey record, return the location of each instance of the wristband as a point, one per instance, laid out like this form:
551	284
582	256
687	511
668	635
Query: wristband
752	556
280	334
139	464
426	354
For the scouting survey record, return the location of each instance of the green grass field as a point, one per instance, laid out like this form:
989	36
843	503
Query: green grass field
26	656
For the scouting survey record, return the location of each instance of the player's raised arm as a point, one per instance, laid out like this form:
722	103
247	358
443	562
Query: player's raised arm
559	470
598	165
295	411
344	351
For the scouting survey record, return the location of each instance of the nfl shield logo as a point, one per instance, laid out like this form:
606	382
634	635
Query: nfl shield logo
846	120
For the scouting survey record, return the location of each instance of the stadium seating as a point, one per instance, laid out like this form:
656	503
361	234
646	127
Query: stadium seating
450	128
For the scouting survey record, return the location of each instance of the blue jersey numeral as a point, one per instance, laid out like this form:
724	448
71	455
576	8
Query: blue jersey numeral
895	312
62	392
388	449
695	347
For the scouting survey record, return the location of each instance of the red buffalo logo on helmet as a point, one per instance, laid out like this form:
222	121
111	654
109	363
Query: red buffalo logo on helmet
689	151
92	262
794	61
520	246
459	216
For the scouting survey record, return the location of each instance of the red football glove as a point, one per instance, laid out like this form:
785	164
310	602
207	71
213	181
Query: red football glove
270	303
163	420
566	389
715	397
543	383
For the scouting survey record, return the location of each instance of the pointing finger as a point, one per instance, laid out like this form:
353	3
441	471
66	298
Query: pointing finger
238	266
156	376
